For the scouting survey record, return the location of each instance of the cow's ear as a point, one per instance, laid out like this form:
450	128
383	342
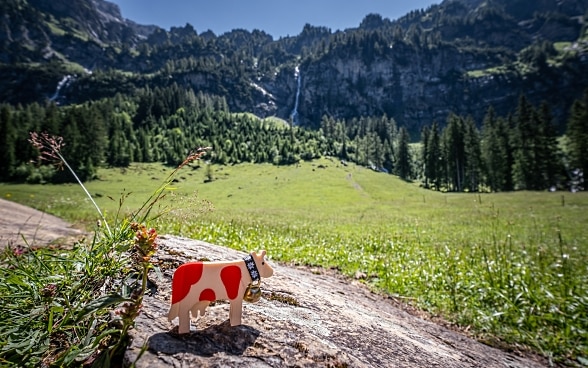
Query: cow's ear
262	253
254	254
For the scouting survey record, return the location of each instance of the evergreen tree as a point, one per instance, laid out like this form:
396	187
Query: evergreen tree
547	150
403	166
505	128
495	150
340	136
50	123
425	136
473	155
434	159
454	152
536	161
388	155
73	149
525	136
145	146
577	134
375	150
25	120
119	154
7	142
93	137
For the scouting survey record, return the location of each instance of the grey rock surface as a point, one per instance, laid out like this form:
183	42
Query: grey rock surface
304	319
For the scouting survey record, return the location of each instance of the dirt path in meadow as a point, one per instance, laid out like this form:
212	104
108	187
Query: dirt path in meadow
356	185
20	225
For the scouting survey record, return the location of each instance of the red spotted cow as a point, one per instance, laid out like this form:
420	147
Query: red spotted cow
196	284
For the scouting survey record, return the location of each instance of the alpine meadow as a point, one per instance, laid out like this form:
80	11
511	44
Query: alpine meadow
438	158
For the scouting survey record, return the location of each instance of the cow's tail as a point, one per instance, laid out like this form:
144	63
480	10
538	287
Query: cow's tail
173	311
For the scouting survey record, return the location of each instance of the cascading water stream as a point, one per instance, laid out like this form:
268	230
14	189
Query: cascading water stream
62	83
294	115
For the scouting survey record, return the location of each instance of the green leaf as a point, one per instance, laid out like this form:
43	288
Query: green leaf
100	303
99	338
103	360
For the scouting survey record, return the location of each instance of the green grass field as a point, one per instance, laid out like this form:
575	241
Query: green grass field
510	267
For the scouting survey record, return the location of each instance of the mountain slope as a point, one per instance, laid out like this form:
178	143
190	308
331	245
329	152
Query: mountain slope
37	30
460	56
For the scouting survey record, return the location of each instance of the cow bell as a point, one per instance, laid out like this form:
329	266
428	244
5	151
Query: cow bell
253	292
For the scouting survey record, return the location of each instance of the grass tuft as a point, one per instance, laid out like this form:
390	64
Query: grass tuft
75	307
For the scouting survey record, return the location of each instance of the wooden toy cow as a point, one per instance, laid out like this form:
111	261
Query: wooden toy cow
196	284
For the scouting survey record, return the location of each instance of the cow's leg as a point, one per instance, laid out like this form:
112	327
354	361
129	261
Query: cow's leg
200	307
184	318
235	312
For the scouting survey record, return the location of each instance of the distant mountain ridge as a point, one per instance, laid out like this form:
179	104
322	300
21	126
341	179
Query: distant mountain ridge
460	56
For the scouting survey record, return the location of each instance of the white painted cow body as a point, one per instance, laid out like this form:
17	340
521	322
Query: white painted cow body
196	284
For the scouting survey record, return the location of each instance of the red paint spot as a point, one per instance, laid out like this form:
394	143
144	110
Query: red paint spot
231	276
185	276
207	294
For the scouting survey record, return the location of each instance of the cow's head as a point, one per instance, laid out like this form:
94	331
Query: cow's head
265	270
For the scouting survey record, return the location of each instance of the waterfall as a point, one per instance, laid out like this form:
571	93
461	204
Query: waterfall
62	83
294	115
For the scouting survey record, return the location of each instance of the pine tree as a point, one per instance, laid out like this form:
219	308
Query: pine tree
536	161
491	154
433	161
504	129
73	150
93	138
26	119
524	136
403	166
50	123
454	149
340	136
495	151
425	136
548	153
473	155
375	150
577	134
145	145
7	142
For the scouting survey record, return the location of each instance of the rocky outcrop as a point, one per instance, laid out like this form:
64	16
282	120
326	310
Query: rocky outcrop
306	318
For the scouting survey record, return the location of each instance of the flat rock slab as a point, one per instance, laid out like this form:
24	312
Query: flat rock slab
304	319
20	225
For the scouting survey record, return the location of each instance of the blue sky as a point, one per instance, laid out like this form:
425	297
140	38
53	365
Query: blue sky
276	17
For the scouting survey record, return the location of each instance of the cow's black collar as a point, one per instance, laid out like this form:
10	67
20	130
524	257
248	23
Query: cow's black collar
252	268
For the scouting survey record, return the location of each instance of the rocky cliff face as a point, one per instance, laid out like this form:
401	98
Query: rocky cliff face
418	86
407	83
